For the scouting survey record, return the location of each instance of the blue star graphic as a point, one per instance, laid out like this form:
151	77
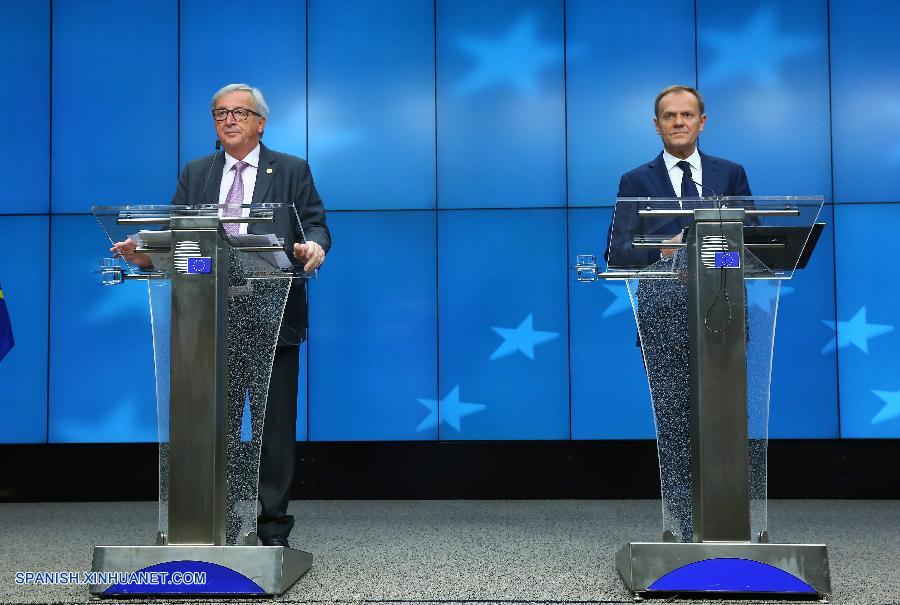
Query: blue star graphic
451	411
513	60
855	332
762	294
522	338
891	407
755	52
620	303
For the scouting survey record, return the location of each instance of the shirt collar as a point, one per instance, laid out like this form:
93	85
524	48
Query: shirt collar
252	159
693	160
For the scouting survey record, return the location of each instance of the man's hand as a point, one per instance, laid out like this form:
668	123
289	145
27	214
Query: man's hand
312	253
668	252
126	251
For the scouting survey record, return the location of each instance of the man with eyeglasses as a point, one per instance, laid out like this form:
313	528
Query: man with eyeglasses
249	172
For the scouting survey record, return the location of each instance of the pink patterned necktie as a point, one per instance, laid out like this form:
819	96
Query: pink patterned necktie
235	199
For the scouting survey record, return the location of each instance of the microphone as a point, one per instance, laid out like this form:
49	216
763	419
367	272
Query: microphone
209	172
699	184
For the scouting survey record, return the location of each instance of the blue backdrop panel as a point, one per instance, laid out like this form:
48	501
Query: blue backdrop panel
25	48
868	321
610	395
371	103
804	380
763	69
503	325
115	103
229	41
501	103
865	86
610	128
23	372
101	349
373	329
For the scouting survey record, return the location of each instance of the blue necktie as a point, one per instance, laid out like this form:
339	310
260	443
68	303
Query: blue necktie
688	187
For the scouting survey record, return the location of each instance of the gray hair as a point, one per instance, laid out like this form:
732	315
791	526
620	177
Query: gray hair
678	88
256	93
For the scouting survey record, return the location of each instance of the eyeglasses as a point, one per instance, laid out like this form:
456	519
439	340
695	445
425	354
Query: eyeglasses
240	114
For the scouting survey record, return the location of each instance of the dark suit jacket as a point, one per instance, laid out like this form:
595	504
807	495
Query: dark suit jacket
720	177
289	182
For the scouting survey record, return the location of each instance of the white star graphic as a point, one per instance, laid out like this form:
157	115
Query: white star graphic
514	60
891	407
620	303
451	411
755	52
856	332
522	338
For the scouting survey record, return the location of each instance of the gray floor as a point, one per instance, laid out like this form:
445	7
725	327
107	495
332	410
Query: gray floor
457	551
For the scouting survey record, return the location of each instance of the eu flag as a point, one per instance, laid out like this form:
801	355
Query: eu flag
6	337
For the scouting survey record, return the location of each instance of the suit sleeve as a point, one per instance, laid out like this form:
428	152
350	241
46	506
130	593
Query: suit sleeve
742	185
622	229
311	211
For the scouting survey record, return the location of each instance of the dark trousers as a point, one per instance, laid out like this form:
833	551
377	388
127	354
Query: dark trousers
276	466
277	450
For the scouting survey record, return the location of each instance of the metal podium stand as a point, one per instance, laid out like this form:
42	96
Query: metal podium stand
705	307
216	306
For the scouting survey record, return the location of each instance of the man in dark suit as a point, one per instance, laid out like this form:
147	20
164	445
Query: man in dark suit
249	172
679	171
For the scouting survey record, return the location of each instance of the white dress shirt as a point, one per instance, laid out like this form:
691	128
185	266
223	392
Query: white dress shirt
676	173
248	175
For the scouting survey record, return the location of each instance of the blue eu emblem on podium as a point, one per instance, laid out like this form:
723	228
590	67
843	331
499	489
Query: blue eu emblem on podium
199	264
728	260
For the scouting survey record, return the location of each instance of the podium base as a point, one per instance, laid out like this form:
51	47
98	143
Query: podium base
188	570
704	569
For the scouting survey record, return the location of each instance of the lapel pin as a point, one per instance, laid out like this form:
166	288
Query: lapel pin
268	171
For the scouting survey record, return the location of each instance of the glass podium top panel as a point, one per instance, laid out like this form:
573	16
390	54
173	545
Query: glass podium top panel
779	232
263	235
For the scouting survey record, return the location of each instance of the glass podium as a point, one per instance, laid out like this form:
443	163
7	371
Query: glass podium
217	288
703	276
